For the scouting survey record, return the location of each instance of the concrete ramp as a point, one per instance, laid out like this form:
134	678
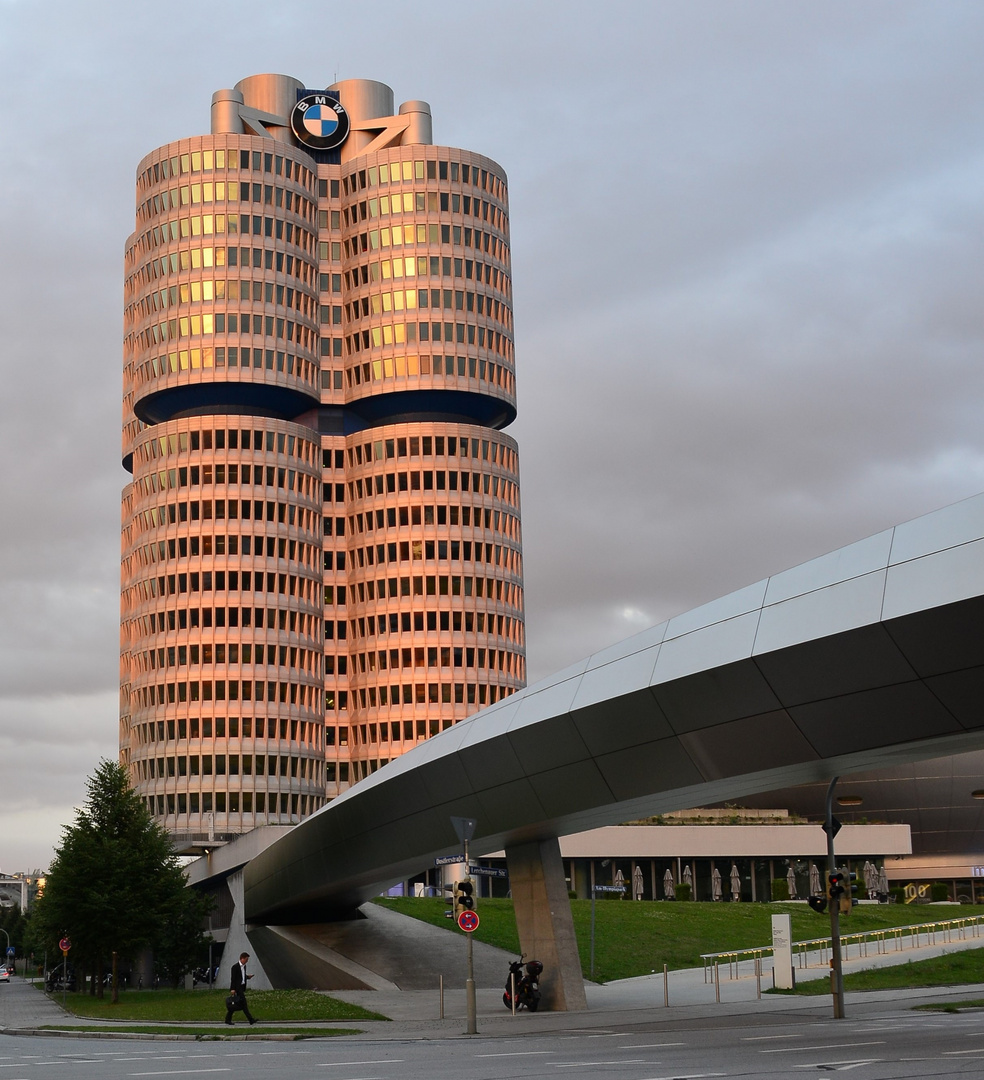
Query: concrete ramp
379	950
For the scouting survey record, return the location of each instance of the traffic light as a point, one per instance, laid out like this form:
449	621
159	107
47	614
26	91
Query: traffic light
835	885
450	912
847	900
818	903
464	896
841	888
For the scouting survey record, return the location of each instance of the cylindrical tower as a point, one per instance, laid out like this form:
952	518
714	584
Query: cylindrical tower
321	541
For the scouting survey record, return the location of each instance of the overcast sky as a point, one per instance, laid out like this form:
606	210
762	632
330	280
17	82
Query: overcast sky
746	243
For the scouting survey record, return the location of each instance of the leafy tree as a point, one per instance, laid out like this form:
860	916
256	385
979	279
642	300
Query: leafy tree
115	885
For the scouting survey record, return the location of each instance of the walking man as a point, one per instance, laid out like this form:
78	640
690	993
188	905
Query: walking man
237	991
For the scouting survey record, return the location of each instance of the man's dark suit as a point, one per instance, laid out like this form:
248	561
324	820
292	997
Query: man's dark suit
237	987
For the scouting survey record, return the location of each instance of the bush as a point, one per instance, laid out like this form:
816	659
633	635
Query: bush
780	889
682	891
939	891
897	896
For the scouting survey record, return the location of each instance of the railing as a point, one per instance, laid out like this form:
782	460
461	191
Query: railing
887	939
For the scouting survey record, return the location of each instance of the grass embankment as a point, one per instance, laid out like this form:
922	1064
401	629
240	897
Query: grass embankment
954	969
638	938
275	1008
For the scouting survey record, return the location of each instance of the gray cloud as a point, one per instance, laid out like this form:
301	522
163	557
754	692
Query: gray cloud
746	244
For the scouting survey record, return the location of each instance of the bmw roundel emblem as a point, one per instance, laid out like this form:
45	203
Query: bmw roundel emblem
319	121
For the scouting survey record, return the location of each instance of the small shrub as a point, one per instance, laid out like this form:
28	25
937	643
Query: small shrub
939	891
897	896
780	889
682	891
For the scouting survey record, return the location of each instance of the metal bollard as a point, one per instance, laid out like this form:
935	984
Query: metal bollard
717	983
666	987
512	990
758	978
441	995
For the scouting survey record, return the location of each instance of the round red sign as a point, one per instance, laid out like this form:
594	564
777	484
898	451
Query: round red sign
64	944
468	921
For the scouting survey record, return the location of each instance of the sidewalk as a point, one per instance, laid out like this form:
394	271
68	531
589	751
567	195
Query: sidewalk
415	1014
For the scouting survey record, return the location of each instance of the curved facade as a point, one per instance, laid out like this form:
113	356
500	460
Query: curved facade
321	542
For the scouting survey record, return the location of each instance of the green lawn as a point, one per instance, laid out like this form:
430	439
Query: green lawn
208	1006
636	938
954	969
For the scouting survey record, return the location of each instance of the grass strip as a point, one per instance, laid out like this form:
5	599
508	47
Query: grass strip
637	938
951	1006
221	1032
955	969
208	1006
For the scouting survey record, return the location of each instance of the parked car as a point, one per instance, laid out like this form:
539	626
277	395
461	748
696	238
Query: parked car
4	974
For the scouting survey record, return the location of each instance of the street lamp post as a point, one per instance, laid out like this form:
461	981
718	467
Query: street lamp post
836	970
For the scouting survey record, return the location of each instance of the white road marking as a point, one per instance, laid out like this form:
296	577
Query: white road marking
180	1072
829	1046
767	1038
591	1064
516	1053
650	1046
376	1061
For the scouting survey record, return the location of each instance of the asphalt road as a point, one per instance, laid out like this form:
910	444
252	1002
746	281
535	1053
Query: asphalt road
895	1043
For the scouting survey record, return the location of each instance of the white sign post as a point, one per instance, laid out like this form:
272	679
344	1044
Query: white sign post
782	951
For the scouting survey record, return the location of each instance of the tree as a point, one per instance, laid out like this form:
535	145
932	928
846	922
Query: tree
115	885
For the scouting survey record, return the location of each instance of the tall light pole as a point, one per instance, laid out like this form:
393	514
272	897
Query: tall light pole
830	827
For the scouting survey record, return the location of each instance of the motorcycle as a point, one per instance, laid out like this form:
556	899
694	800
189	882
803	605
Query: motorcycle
527	986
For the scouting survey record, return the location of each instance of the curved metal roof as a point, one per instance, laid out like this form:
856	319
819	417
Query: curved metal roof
866	657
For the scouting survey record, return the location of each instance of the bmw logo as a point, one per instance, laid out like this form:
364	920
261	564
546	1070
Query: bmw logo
319	121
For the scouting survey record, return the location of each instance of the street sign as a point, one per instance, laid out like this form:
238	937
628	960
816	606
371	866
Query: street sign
488	871
448	860
65	944
609	888
11	951
468	921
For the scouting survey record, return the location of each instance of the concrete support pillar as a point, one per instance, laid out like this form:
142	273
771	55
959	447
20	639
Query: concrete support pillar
544	922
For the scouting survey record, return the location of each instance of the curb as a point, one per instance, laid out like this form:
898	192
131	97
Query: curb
62	1033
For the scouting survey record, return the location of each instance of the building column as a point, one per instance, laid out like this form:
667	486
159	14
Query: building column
544	922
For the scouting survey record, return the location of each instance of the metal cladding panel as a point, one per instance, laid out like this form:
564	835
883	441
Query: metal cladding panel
882	717
548	745
617	678
855	560
562	756
942	578
769	741
621	722
960	523
709	647
655	766
491	764
713	697
565	790
945	639
446	779
858	660
510	806
823	613
646	639
550	701
718	611
962	693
